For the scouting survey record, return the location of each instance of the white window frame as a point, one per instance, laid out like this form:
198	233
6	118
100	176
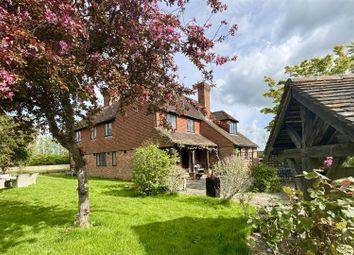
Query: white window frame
93	133
172	120
108	129
77	136
101	159
190	125
233	128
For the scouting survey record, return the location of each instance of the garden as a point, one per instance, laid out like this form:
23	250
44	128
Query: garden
39	220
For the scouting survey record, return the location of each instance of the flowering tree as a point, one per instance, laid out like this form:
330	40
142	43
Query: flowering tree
54	54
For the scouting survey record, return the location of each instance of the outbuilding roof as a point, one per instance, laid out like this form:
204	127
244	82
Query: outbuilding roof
331	98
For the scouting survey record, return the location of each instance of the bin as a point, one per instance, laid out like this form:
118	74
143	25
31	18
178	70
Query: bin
212	186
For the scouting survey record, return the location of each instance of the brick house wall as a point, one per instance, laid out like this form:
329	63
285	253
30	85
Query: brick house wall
126	136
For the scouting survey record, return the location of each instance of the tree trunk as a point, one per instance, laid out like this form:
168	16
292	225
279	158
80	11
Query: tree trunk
82	218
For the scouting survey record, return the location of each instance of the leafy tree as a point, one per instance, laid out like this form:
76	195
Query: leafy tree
14	141
341	61
54	54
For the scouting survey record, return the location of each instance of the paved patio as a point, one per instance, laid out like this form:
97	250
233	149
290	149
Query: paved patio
197	187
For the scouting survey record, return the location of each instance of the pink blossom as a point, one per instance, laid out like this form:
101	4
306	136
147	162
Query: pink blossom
24	15
168	96
64	47
224	22
328	162
10	94
220	60
7	76
49	15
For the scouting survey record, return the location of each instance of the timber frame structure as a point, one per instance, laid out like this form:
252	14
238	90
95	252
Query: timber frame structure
315	120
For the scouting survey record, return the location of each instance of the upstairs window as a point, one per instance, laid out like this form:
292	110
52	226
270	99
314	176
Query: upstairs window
78	136
101	159
93	133
172	120
114	158
108	129
190	125
233	128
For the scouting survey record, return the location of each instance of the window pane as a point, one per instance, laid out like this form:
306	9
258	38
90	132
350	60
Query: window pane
190	125
108	129
172	120
114	158
77	136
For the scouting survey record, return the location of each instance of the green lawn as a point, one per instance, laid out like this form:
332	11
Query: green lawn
38	220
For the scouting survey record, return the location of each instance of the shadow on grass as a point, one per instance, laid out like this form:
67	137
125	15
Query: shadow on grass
19	222
195	236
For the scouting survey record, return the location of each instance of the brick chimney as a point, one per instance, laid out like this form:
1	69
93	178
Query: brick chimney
204	97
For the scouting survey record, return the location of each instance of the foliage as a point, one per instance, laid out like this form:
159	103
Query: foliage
265	178
38	220
322	225
341	61
151	168
45	144
55	54
38	159
174	181
349	162
14	143
235	176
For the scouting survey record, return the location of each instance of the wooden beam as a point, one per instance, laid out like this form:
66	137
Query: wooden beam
278	122
326	114
334	150
343	172
294	136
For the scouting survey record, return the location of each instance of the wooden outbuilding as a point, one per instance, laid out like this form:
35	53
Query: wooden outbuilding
315	120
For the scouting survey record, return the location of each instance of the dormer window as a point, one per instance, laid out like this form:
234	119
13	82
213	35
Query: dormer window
233	128
190	125
108	129
78	136
172	120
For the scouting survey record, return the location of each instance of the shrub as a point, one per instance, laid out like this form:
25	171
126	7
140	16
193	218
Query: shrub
174	181
322	225
38	159
235	176
265	178
151	168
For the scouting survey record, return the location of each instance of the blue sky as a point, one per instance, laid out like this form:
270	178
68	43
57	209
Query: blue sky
272	34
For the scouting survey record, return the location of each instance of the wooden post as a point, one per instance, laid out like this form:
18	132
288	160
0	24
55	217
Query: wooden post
193	160
207	159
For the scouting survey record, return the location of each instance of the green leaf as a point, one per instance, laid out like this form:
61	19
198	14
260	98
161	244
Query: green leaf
310	175
287	190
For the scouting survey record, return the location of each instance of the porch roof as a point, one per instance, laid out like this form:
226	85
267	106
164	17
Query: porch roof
186	139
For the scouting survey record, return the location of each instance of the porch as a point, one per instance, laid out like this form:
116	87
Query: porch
196	160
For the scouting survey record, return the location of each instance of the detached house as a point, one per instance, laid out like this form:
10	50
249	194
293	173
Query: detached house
200	138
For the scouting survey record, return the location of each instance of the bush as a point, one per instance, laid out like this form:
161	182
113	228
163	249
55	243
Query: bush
322	225
174	181
265	178
151	168
235	176
38	159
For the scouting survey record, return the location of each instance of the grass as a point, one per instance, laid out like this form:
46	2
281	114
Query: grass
38	220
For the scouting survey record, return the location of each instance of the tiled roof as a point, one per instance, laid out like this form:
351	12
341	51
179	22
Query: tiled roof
333	93
329	97
222	115
106	114
184	139
190	110
237	139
